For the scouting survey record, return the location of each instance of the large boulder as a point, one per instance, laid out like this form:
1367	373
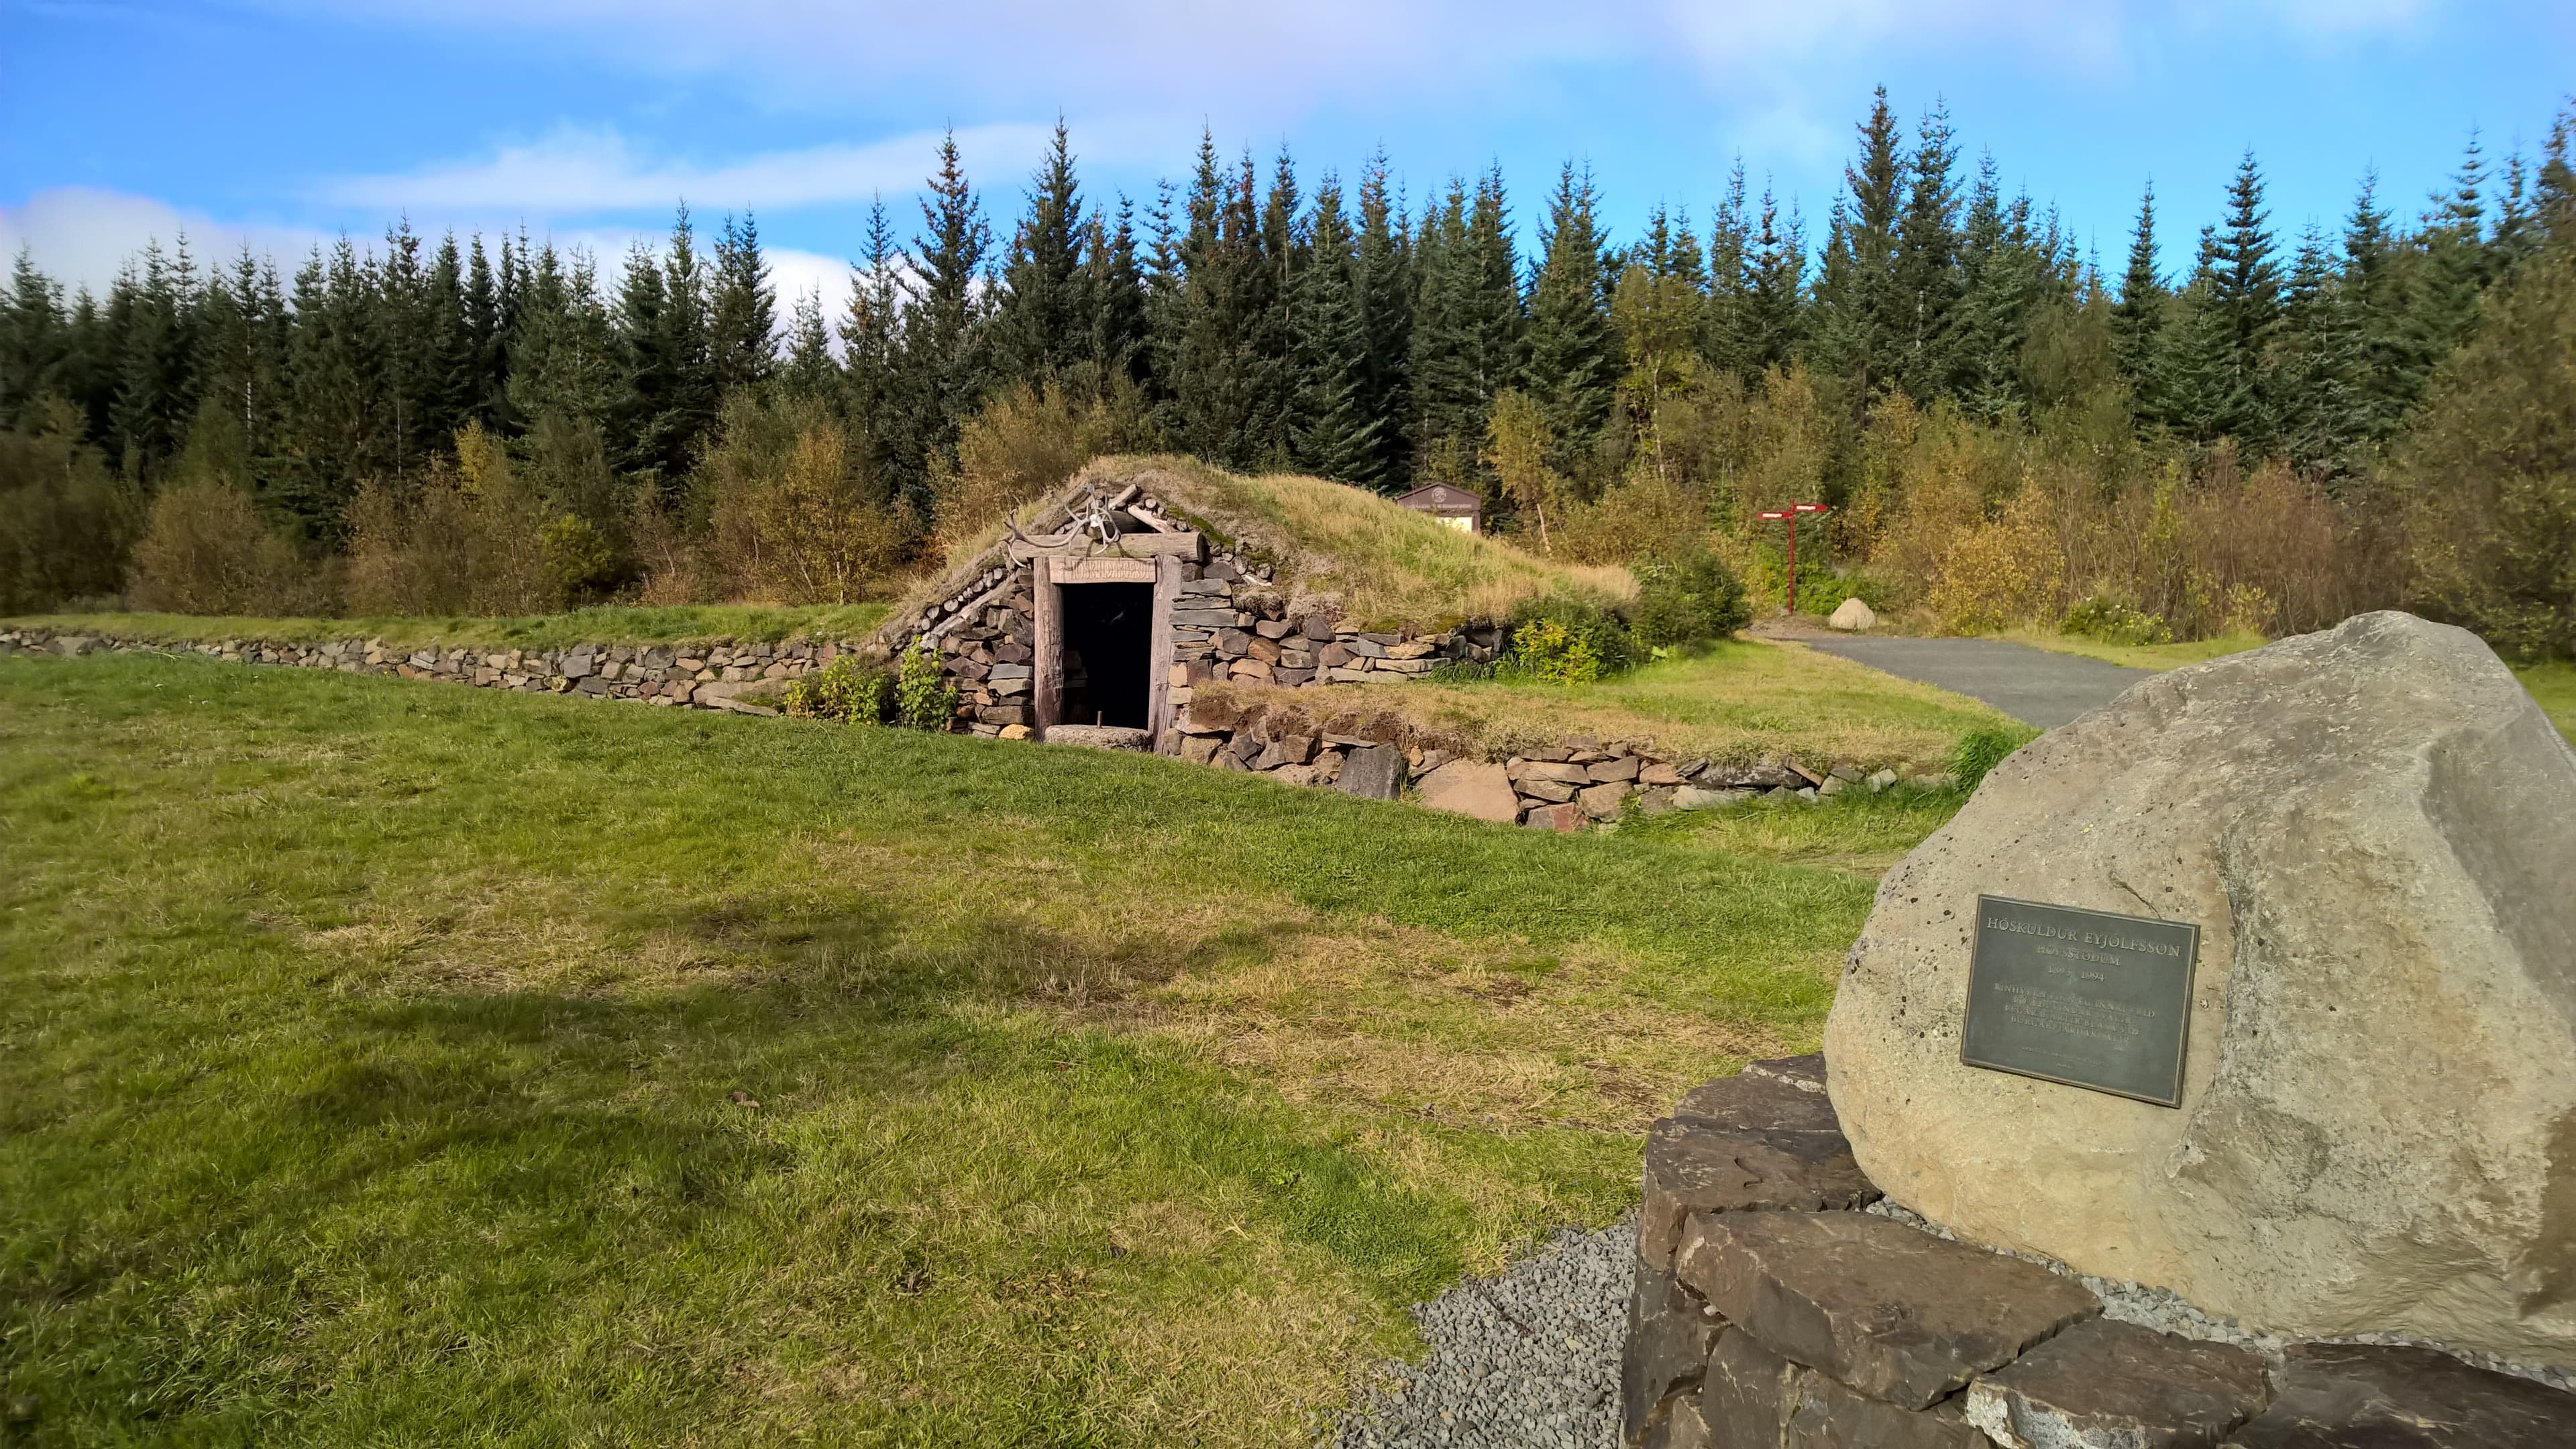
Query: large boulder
2375	830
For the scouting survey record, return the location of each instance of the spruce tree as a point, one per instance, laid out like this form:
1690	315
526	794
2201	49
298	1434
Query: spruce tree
486	332
156	380
1336	434
2319	413
2452	262
1386	285
2373	293
1114	289
450	367
1727	329
2245	294
1926	267
811	373
35	339
2198	388
742	310
944	366
1043	323
1774	271
1864	323
1571	350
2138	317
872	333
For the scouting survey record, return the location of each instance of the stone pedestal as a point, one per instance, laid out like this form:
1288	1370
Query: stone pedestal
1770	1312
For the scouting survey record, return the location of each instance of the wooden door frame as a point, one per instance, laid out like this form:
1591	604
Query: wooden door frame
1046	677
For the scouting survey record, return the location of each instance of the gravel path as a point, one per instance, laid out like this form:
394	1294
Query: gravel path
1529	1358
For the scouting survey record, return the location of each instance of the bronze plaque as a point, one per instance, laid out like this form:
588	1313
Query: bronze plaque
2086	998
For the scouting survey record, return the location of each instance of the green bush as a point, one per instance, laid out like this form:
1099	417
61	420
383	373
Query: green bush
1545	650
1570	622
922	698
1980	750
2114	620
843	691
1687	599
1821	590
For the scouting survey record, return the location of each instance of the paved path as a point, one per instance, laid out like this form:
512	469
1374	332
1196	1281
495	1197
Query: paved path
2032	685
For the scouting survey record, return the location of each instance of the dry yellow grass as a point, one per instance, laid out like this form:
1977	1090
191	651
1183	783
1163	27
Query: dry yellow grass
1390	566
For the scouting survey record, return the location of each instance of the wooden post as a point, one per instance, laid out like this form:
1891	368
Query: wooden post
1158	651
1046	674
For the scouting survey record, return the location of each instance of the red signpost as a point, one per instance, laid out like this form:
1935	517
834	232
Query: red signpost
1790	516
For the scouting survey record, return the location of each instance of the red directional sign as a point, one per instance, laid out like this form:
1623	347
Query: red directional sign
1790	516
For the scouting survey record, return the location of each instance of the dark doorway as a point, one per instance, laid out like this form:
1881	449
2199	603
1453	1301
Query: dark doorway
1108	649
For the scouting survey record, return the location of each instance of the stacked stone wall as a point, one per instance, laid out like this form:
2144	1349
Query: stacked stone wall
702	676
1779	1303
987	651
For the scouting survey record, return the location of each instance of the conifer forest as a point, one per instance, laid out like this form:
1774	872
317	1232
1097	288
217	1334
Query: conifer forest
2287	429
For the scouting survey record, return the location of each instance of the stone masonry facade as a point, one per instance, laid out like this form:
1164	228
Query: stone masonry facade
1778	1303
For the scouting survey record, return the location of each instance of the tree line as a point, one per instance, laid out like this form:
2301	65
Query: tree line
658	424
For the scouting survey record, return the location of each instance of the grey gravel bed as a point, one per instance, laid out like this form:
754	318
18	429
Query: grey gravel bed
1529	1357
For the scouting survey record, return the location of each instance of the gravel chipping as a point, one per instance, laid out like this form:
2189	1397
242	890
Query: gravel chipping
2159	1309
1528	1358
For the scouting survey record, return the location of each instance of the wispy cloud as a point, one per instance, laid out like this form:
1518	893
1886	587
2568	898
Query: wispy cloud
588	172
81	237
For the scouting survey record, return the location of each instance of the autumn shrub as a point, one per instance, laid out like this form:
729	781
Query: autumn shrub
1024	445
66	521
205	550
1999	572
469	537
797	515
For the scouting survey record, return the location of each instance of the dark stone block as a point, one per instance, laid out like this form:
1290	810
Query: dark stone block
1809	1070
2364	1396
1670	1332
1693	1167
2105	1383
1747	1394
1002	714
1680	1428
1830	1416
1317	628
1894	1313
1752	1102
1373	772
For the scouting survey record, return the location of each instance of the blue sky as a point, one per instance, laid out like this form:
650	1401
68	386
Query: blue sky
281	121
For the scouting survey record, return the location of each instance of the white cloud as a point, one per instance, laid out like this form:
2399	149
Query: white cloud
81	237
578	173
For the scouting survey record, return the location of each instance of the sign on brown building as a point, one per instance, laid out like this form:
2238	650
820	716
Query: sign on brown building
1455	507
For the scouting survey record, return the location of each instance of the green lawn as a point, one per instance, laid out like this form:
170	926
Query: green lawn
1734	700
606	625
369	1055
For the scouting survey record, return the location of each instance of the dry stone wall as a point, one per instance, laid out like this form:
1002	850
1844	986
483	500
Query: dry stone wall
1779	1303
1567	786
714	675
1373	753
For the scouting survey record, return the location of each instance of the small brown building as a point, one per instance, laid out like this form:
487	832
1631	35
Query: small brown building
1455	507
